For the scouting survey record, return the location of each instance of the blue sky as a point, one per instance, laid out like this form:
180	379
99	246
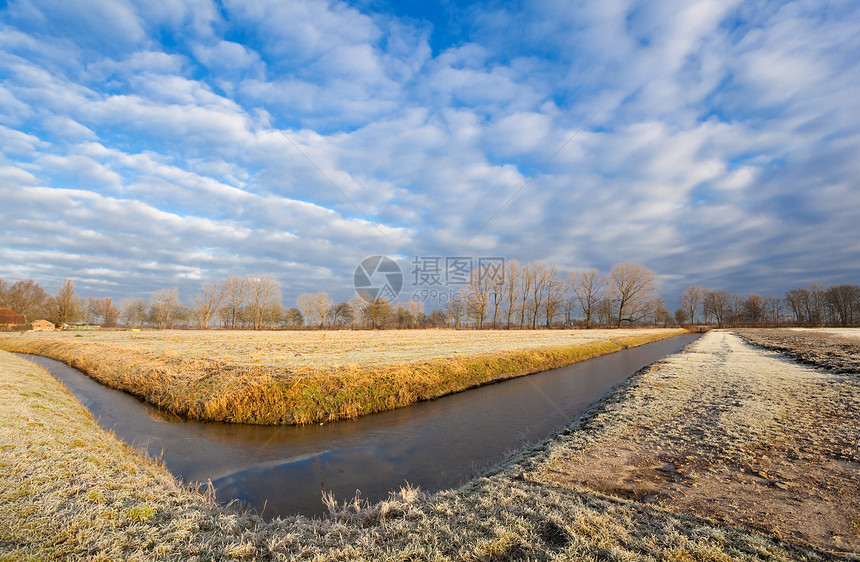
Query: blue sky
163	143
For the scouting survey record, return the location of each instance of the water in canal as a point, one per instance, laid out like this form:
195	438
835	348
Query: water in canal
283	470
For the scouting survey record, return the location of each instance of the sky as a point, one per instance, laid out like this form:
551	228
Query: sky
162	143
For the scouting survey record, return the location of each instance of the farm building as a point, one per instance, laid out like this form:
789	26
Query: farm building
9	317
42	326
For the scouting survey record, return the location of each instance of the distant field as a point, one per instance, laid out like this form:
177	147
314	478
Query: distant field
295	377
844	332
336	349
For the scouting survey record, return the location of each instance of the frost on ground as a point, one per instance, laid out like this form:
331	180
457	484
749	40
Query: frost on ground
303	350
733	433
845	332
836	349
69	490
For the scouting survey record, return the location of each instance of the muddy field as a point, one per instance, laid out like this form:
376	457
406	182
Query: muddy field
833	349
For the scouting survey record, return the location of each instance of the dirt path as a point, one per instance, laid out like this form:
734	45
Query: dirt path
734	433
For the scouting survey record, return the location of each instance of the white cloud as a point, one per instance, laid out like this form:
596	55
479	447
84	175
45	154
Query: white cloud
722	128
109	24
65	127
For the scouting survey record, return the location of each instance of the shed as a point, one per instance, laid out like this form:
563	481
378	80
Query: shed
42	326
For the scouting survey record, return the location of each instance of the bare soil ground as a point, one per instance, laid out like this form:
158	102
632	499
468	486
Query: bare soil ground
733	433
833	349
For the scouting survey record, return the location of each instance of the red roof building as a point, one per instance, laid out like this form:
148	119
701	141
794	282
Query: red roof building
9	317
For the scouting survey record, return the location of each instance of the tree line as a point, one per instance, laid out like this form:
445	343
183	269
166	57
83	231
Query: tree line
519	296
817	305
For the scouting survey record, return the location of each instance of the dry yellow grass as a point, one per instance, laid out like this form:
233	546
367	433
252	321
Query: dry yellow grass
306	377
302	351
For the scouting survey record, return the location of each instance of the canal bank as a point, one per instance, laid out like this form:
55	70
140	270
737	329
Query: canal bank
438	444
71	490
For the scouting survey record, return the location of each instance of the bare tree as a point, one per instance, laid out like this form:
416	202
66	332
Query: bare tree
134	311
734	312
210	298
632	287
342	314
104	308
540	276
263	293
293	318
797	303
315	307
305	302
416	310
235	295
64	307
843	301
436	319
691	301
569	305
455	309
164	306
817	304
511	286
403	316
754	308
716	303
359	304
378	313
25	297
604	312
497	296
477	296
322	305
776	310
588	286
555	296
660	315
525	292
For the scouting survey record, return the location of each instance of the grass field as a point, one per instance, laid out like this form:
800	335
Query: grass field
69	490
300	377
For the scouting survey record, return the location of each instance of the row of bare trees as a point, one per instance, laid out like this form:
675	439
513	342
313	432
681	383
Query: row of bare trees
520	296
252	301
837	305
29	299
536	294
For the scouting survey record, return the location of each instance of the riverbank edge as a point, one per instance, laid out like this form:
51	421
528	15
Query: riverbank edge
219	392
72	490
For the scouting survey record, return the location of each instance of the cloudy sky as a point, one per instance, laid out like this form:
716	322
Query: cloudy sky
160	143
